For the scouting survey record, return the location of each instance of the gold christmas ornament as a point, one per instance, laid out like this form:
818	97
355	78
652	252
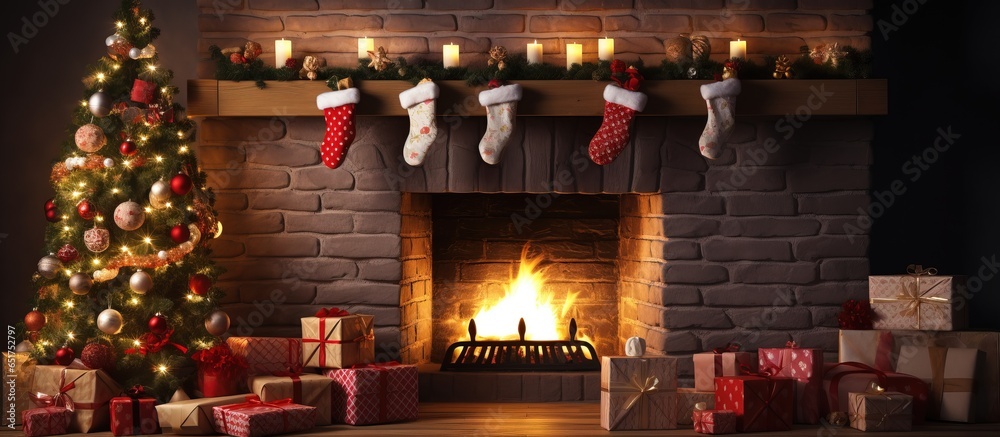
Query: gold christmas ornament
498	57
380	59
678	49
782	68
701	47
80	283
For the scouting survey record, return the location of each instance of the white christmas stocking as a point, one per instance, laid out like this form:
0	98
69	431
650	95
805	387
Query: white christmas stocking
419	103
338	108
721	99
620	106
501	111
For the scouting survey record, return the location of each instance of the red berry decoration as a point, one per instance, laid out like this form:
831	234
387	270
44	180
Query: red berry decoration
199	284
86	210
180	233
64	356
98	356
34	320
180	184
67	253
158	324
128	148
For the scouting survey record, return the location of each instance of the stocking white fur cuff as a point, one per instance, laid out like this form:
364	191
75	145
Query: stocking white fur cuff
417	94
503	94
727	88
334	99
633	100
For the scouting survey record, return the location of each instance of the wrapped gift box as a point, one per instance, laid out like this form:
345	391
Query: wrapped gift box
687	398
375	393
134	416
805	366
337	342
92	392
714	421
46	421
843	378
710	365
949	374
256	418
266	355
760	403
880	349
918	301
638	393
18	367
193	416
887	411
305	389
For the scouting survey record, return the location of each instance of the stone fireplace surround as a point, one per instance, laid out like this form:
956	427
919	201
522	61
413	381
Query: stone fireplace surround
751	247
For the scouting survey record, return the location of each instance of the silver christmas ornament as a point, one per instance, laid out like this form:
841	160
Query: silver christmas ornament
80	283
49	266
140	282
110	321
217	323
112	39
99	104
143	53
159	194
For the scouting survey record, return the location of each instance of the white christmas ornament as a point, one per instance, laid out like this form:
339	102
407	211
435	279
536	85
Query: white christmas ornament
635	347
110	321
112	39
140	282
162	254
108	162
130	216
74	162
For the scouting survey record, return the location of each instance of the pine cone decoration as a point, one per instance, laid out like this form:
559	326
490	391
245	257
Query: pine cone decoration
700	46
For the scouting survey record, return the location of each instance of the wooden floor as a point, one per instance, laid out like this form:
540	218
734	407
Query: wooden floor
568	419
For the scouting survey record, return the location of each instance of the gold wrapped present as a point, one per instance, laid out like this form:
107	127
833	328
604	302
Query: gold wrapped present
89	390
918	300
18	368
638	393
193	416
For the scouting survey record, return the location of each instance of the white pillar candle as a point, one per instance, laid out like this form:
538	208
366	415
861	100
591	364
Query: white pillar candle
451	55
365	45
282	51
535	53
606	49
737	49
574	54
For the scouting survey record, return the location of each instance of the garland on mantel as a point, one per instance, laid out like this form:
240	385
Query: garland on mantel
855	64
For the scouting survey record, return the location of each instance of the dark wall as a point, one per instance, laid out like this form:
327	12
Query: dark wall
941	74
42	85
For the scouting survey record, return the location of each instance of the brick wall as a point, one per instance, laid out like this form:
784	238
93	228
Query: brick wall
413	28
415	289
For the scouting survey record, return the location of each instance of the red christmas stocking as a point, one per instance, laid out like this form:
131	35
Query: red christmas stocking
620	107
338	108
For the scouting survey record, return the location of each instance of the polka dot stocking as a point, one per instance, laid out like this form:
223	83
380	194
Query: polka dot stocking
338	108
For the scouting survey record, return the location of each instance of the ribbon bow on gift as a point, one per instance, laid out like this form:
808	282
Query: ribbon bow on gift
911	296
332	312
61	399
135	393
731	347
638	386
791	344
882	410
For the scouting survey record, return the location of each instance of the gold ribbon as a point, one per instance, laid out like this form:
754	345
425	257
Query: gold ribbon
883	410
941	385
911	296
640	385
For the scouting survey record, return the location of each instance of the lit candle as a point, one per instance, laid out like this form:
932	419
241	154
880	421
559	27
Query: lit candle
574	54
282	51
365	45
450	55
737	49
606	49
534	53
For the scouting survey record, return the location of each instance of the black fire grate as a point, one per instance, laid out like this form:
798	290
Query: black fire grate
521	355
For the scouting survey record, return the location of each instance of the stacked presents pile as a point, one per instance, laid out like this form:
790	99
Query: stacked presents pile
251	386
903	360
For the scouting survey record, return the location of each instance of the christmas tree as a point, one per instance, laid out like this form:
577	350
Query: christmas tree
127	282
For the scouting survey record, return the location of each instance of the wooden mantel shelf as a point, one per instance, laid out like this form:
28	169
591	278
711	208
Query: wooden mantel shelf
211	98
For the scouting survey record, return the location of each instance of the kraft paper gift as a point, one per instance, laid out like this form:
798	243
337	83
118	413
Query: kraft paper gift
89	390
638	393
18	368
918	300
193	416
721	362
881	411
338	342
949	374
304	389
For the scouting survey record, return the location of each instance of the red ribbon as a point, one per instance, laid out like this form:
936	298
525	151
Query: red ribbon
383	382
332	312
325	337
253	401
883	351
135	393
152	343
834	395
791	344
60	399
295	374
731	347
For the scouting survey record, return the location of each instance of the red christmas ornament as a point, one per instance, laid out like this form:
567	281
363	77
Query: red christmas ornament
50	204
67	253
158	324
52	215
142	91
98	356
34	320
64	356
180	184
180	233
128	148
86	210
199	284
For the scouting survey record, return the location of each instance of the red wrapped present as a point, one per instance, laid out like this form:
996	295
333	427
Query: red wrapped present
266	355
761	402
335	339
256	418
142	91
46	421
713	421
688	399
843	378
803	365
219	371
726	361
374	393
134	414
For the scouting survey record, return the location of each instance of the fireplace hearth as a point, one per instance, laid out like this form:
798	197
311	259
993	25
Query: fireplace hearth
521	355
